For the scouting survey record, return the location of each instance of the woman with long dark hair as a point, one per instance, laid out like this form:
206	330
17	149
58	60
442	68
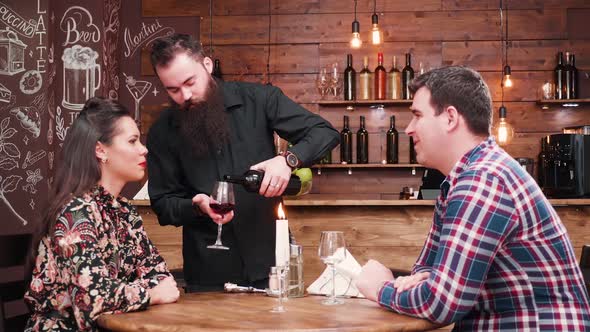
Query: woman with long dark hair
91	254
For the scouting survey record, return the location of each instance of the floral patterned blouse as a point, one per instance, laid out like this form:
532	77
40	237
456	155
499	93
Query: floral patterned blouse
99	260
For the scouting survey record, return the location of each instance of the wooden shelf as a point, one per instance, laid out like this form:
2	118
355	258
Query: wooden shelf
545	103
367	166
353	103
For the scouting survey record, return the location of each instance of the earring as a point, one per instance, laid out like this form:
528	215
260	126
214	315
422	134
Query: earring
104	160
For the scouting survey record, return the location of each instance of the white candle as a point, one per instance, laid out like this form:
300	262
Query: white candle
282	239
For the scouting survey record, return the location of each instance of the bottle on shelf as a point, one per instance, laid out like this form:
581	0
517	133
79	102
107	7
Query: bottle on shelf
366	81
413	159
327	159
558	76
568	72
541	163
392	142
217	69
394	82
362	144
407	76
380	78
346	143
251	180
573	76
349	80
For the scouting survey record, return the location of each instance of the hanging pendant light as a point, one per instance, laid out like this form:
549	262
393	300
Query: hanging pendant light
507	70
503	130
355	41
376	34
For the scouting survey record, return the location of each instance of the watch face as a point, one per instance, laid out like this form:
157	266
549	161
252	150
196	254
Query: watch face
292	160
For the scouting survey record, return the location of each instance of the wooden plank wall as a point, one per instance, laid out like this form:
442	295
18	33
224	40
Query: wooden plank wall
309	34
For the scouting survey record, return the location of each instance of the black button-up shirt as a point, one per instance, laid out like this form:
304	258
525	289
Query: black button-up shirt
176	176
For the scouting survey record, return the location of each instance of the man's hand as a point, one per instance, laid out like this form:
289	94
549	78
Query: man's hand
276	176
404	283
202	202
372	277
165	292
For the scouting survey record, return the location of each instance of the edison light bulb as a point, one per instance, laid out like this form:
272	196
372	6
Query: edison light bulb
376	37
503	132
356	41
507	81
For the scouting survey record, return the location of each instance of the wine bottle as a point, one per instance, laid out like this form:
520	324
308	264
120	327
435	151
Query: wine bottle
574	76
558	76
567	77
349	80
392	142
407	76
413	159
394	82
346	143
541	167
217	69
252	180
362	144
380	78
366	81
327	158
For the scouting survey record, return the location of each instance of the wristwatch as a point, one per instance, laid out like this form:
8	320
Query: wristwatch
291	159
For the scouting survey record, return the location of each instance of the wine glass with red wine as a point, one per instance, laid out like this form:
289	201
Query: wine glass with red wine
222	202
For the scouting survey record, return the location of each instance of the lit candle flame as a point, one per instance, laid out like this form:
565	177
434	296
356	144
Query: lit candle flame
281	213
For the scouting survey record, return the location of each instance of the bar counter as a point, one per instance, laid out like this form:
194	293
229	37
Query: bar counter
390	231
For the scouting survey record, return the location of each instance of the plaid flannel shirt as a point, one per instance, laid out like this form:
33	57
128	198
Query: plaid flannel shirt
498	255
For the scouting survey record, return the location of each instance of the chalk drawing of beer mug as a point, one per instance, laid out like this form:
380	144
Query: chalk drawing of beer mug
81	76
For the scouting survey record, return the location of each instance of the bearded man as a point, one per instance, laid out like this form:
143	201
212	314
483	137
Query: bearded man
216	128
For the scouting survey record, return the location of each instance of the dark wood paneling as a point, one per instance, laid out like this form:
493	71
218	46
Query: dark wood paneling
577	23
310	34
236	30
174	8
518	4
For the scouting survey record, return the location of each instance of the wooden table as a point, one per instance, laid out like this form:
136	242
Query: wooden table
240	312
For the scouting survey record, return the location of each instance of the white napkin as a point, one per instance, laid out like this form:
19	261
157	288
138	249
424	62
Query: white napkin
143	192
346	271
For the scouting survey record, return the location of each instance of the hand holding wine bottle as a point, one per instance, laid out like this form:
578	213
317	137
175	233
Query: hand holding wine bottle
276	176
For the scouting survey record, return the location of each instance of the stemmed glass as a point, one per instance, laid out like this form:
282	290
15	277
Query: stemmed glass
335	80
222	202
323	82
332	251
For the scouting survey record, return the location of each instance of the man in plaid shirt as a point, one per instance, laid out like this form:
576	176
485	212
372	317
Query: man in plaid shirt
497	257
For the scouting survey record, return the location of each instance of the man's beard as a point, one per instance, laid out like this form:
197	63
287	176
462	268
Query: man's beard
204	124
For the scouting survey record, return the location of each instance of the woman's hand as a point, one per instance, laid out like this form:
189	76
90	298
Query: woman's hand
165	292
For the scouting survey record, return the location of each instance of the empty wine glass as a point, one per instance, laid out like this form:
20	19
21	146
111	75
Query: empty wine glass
322	82
222	202
335	80
332	251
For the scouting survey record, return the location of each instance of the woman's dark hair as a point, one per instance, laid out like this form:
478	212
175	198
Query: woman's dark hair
77	169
